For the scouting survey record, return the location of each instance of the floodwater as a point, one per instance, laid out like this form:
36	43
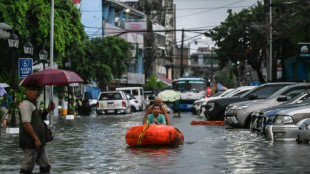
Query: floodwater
96	144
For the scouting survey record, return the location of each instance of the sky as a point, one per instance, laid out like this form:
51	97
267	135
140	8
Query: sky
204	14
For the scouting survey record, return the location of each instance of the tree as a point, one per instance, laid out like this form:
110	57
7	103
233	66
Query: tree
152	84
31	20
100	60
239	42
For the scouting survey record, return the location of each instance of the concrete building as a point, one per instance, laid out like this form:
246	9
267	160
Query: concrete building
204	62
102	18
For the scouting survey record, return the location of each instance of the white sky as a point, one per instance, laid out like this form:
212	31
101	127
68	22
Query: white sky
210	13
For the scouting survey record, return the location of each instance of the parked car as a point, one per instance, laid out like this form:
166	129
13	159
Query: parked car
195	109
284	125
138	92
235	93
261	118
303	135
239	114
113	102
133	102
215	109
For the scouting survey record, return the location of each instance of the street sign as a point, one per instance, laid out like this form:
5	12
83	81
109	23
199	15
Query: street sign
25	67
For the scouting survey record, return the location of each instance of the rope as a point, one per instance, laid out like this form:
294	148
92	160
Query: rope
141	134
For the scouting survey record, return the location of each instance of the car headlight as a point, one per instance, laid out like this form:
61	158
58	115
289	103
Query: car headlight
255	114
204	103
210	106
307	126
239	107
284	120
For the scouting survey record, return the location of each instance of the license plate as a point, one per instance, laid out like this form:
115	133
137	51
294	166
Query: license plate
110	111
111	105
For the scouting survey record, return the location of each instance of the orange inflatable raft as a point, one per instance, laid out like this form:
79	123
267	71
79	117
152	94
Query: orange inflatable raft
207	123
154	135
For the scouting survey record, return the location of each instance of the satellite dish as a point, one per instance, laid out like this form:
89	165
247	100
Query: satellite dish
116	19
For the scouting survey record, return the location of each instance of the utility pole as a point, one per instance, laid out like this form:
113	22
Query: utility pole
182	68
269	40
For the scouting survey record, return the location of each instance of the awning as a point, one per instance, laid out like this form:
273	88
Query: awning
165	80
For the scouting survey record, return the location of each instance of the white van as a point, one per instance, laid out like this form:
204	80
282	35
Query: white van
137	92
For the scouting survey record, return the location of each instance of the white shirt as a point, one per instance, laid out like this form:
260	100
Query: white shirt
26	108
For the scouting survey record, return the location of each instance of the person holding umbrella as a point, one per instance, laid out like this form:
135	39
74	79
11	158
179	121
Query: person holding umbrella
4	108
163	110
32	131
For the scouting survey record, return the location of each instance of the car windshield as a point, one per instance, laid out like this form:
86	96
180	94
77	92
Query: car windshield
279	92
263	92
190	85
110	96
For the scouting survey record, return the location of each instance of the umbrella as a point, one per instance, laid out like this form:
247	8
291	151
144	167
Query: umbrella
220	87
2	91
51	77
169	96
4	85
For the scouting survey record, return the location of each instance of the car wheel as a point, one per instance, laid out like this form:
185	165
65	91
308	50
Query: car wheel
133	109
247	122
93	109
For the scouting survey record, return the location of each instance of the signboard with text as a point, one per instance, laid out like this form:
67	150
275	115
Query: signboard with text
304	49
25	67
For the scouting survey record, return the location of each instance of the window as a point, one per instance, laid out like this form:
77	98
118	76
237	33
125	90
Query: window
135	92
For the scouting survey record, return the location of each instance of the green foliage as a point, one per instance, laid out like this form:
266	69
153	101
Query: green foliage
31	20
152	84
101	60
20	95
238	40
226	78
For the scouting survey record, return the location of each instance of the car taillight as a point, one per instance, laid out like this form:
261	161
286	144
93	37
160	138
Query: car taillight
97	104
136	101
124	103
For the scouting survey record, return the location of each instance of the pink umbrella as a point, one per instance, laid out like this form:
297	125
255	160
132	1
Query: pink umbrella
51	77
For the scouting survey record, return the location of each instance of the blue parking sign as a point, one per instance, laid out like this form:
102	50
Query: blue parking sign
25	67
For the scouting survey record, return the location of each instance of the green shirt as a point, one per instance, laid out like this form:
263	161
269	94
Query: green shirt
160	118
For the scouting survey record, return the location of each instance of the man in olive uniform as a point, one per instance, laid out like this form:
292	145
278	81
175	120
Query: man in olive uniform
32	134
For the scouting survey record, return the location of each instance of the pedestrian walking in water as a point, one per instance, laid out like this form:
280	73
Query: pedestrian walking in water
32	133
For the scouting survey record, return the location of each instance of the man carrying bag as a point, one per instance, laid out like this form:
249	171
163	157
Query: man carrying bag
33	132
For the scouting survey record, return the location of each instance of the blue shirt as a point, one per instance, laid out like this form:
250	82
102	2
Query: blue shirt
5	101
160	118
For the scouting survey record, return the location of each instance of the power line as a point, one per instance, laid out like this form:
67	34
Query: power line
209	10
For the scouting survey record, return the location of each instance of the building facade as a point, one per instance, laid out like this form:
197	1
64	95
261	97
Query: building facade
103	18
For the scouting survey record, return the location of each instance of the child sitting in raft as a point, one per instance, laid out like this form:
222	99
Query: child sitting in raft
156	117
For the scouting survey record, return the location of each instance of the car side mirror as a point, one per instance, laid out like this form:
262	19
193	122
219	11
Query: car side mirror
253	96
282	98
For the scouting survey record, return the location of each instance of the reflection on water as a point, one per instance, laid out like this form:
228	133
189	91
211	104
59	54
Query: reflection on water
96	144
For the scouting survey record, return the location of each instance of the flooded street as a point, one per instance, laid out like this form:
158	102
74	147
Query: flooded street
96	144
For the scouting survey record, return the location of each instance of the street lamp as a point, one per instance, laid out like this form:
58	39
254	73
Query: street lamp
28	48
43	55
13	43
